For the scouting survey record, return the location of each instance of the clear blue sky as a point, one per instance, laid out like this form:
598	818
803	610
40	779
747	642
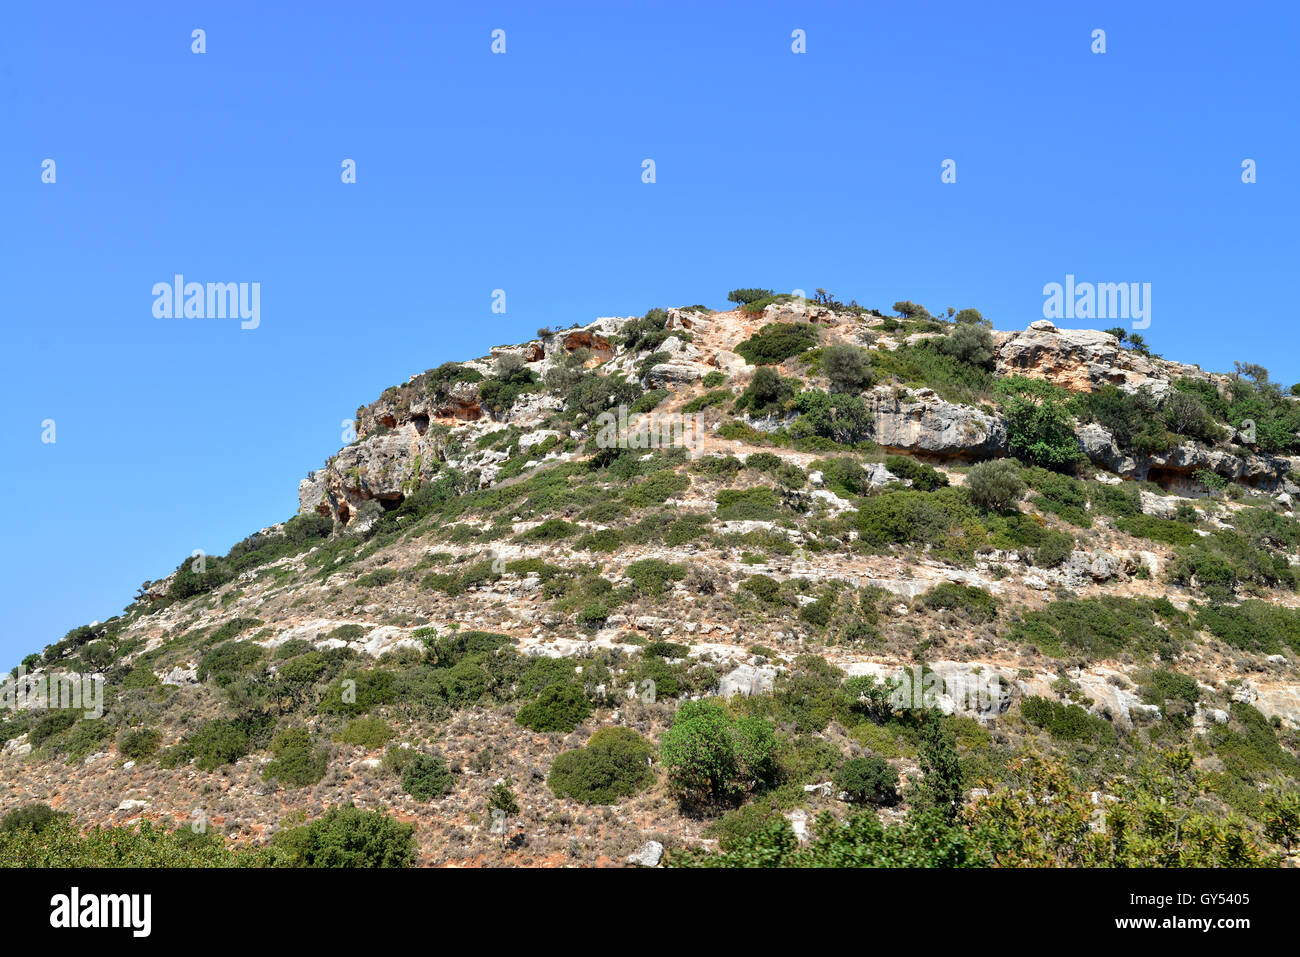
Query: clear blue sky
523	172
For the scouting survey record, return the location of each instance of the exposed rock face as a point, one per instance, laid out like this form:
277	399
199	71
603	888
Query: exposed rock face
597	344
927	424
1083	360
747	680
1174	469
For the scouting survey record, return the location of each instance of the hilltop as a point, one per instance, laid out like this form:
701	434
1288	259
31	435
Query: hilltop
660	577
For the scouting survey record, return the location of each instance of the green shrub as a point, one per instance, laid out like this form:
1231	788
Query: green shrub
378	578
975	603
1054	549
614	764
51	725
767	391
869	780
1068	722
751	504
560	707
1041	432
971	343
1254	625
295	762
651	577
367	732
426	776
745	297
217	742
348	837
847	367
228	662
1096	628
138	743
32	817
924	478
1158	529
707	400
1061	495
709	756
776	342
995	484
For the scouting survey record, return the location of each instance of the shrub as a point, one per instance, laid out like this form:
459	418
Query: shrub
923	477
295	762
1061	495
229	661
653	576
1133	419
378	578
33	817
217	742
348	837
847	367
1068	722
971	343
560	707
776	342
51	725
138	743
426	776
714	379
766	390
758	503
1254	625
1054	549
1096	628
976	603
868	780
367	732
842	418
614	764
1042	432
710	756
897	518
995	484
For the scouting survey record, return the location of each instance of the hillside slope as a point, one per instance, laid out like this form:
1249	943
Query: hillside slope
1078	558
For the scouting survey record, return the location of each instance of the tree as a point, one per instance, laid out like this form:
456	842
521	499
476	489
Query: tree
969	342
911	310
502	805
1281	816
765	390
744	297
710	757
1042	432
966	316
942	783
995	484
847	367
868	780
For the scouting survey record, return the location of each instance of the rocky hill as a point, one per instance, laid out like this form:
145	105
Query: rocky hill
691	579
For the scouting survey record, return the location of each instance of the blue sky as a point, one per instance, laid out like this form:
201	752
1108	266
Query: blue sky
523	172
